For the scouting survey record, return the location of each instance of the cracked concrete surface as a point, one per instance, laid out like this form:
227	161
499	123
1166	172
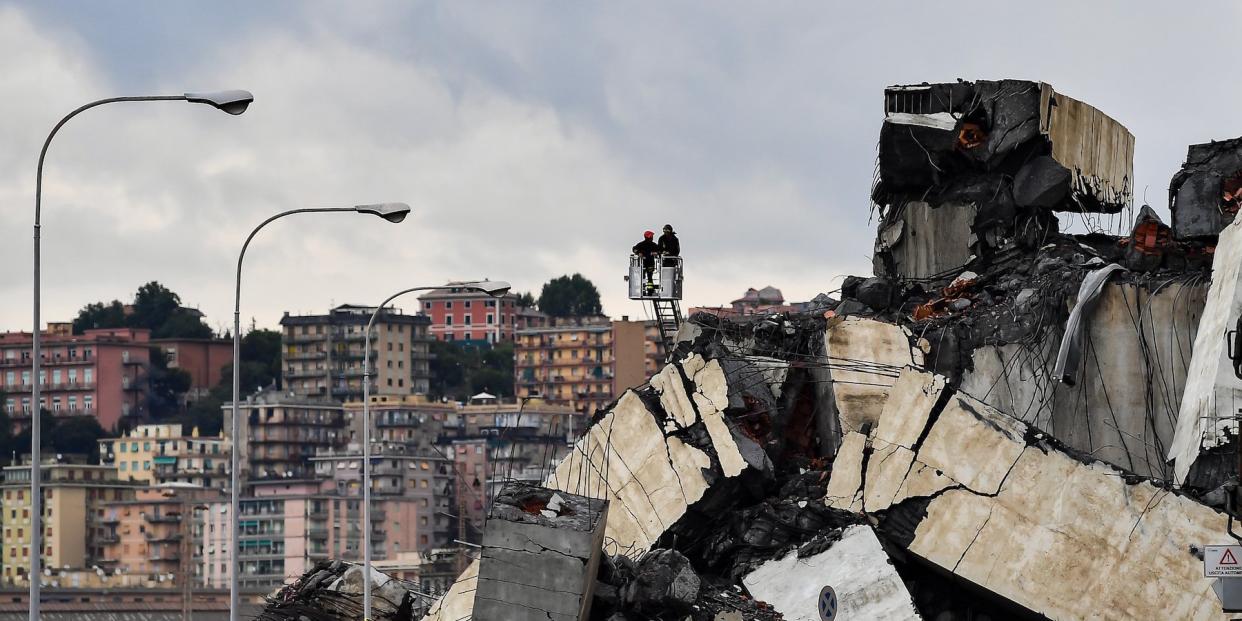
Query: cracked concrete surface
865	356
1010	511
856	567
637	460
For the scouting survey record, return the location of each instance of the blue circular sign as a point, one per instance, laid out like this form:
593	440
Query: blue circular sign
827	604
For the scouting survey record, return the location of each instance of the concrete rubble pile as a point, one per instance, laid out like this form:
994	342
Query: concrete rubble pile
333	590
1006	421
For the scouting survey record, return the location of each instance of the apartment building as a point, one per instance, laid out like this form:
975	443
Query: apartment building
639	353
321	355
283	431
411	420
76	528
162	454
464	315
570	362
151	533
412	491
203	359
275	542
289	525
100	373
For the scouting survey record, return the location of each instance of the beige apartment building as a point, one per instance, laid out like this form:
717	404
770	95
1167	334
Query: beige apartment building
585	362
569	363
73	515
281	432
160	454
321	355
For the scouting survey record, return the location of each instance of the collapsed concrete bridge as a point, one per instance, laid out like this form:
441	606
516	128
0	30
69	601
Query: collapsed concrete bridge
1006	421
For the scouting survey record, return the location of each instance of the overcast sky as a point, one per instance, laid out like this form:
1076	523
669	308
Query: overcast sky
532	139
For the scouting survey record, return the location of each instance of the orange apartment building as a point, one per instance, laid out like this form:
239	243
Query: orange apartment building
100	373
585	362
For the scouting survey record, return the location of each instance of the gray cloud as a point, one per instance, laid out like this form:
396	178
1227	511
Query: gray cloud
533	139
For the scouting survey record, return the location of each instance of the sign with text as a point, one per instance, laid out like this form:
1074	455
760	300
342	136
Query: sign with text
1222	561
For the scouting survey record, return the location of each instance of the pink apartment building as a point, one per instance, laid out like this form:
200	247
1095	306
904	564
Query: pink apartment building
99	373
462	315
289	525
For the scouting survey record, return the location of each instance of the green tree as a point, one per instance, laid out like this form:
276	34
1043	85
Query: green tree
569	296
100	315
77	435
525	300
156	308
165	386
459	371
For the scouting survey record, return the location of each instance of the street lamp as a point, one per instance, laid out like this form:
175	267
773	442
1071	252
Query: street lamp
232	102
494	288
392	212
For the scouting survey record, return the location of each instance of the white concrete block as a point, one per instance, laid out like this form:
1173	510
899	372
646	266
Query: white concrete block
857	569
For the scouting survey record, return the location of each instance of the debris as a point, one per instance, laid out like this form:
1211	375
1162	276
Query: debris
1204	194
332	590
556	540
1207	418
1070	352
855	566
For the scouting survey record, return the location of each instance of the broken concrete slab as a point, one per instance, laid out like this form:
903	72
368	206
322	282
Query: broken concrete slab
541	552
634	462
1204	193
1063	536
865	357
1207	417
856	567
1128	387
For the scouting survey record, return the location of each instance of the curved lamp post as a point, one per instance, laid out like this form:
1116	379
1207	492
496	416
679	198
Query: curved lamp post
494	288
232	102
392	212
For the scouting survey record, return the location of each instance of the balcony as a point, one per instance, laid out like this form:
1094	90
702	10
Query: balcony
296	373
172	518
317	534
165	538
307	355
108	538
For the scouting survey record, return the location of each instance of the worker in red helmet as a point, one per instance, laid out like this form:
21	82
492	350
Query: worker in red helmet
648	249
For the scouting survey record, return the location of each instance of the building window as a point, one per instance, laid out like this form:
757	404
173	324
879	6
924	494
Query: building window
466	303
491	319
448	304
467	319
448	321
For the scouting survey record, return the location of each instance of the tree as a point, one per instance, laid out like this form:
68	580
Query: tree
156	308
165	386
100	315
78	435
459	371
525	300
570	296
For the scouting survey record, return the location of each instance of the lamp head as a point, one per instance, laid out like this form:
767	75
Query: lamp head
232	102
494	288
392	212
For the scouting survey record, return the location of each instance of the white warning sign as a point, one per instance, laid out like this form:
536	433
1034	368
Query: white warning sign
1222	561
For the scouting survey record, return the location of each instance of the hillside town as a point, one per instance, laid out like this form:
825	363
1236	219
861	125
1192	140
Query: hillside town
619	312
144	512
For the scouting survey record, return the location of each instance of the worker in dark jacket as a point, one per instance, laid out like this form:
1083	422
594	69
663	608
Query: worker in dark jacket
648	250
669	246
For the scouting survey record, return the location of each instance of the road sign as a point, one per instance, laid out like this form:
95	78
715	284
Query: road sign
827	604
1222	561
